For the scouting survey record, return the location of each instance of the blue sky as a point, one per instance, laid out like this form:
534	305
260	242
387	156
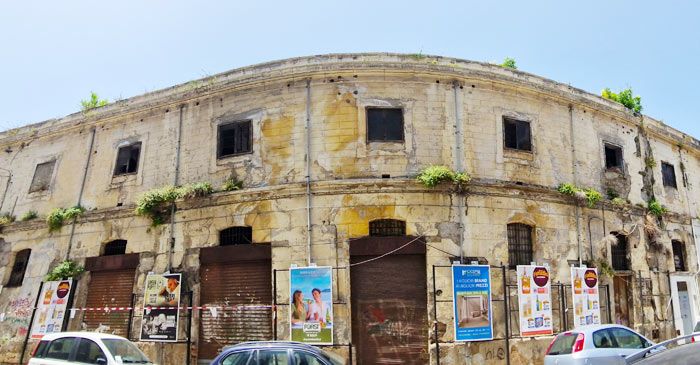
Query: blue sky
55	52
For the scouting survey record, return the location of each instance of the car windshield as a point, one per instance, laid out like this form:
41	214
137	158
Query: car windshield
334	358
129	353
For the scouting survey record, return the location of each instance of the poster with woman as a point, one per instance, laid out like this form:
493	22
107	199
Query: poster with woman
534	300
161	301
311	304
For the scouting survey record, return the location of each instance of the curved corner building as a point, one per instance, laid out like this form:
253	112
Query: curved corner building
326	150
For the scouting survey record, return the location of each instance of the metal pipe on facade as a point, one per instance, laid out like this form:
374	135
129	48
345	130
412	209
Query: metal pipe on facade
307	127
82	189
457	152
573	168
176	181
7	187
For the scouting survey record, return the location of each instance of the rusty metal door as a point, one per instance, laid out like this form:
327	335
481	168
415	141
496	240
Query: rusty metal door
111	288
245	285
389	305
623	297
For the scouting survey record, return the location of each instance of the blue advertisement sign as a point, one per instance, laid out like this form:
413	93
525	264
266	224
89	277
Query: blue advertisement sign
471	288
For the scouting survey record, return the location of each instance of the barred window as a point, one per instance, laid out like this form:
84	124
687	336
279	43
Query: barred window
235	138
519	244
116	247
236	236
678	255
387	228
19	268
619	252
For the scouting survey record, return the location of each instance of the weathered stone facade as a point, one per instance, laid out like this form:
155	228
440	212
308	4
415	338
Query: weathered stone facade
453	115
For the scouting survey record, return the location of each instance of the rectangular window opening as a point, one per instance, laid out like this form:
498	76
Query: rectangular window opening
385	125
42	176
236	236
613	157
235	138
516	134
678	255
128	159
668	175
619	253
519	244
19	268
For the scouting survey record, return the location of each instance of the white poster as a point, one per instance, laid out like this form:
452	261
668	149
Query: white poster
584	289
534	300
51	307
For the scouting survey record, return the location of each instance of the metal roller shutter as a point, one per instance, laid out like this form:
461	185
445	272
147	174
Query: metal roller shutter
109	289
227	284
389	304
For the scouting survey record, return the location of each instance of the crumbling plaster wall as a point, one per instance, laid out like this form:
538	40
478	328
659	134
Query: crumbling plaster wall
347	193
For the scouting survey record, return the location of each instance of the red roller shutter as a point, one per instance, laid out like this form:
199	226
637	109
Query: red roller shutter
111	288
232	276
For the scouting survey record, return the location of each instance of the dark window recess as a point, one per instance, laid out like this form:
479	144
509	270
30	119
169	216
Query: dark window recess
235	138
116	247
619	253
613	157
668	173
128	159
516	134
384	125
519	244
678	255
387	228
19	268
42	177
236	236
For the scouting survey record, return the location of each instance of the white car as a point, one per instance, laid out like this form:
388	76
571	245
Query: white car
606	344
86	348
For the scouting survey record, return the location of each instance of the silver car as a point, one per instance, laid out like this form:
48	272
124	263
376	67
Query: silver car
606	344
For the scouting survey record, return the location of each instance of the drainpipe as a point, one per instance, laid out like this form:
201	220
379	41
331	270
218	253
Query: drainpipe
176	181
82	189
307	127
457	152
574	169
7	186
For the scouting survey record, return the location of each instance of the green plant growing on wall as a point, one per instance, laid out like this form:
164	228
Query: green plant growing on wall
93	102
6	219
655	208
604	268
196	190
590	195
617	201
57	217
66	269
567	189
232	184
156	204
649	162
29	215
431	176
624	97
509	63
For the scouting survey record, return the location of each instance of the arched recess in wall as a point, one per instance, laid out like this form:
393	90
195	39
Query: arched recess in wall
389	285
115	247
236	272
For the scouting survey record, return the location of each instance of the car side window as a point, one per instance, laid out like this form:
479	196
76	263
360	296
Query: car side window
627	339
305	358
273	357
60	348
603	339
237	358
89	352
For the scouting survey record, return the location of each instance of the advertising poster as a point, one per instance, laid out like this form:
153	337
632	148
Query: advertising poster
51	308
534	300
311	304
161	300
584	286
471	285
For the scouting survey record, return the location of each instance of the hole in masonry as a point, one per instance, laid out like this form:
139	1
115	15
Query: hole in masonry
120	204
386	176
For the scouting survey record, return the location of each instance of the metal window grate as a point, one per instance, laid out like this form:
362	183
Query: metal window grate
678	255
236	236
519	244
19	268
116	247
235	138
387	228
619	253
